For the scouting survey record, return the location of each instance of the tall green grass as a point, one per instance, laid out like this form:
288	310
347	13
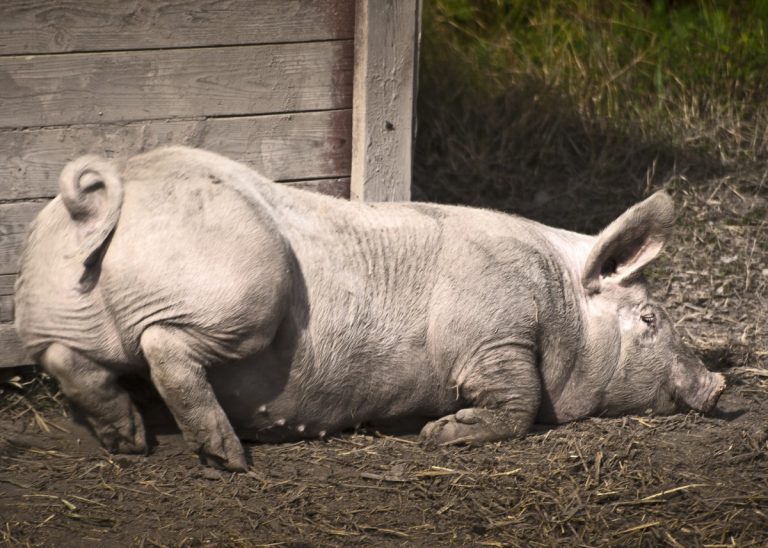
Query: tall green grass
527	105
639	53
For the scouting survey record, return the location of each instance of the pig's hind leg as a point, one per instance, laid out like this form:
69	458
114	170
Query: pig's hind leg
94	391
503	388
178	373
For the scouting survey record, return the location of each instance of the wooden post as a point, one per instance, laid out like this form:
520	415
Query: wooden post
387	35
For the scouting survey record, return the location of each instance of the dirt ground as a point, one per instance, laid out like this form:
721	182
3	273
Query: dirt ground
637	481
685	480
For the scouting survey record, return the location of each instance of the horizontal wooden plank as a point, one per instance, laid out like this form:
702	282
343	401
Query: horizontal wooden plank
6	297
6	284
41	26
11	351
284	147
14	219
6	308
82	88
297	146
333	187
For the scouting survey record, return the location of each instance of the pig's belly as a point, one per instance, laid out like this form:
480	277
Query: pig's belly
269	399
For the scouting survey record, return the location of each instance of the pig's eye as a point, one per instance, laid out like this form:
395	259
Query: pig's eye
649	319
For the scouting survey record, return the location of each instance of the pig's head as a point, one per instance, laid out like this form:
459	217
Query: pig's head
634	352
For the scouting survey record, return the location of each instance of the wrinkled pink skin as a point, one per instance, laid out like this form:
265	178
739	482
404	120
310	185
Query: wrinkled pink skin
270	313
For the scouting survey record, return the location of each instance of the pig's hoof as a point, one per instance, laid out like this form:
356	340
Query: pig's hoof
224	453
126	436
236	463
468	426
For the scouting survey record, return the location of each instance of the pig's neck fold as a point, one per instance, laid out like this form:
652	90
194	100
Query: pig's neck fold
576	375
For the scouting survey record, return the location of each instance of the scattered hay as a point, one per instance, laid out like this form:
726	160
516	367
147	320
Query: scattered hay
684	480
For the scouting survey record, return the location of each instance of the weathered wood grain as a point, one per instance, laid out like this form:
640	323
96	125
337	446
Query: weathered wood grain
14	219
338	188
6	308
386	51
6	297
82	88
285	146
42	26
11	351
6	283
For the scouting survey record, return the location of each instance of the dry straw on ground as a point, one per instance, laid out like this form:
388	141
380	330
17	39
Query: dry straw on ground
683	481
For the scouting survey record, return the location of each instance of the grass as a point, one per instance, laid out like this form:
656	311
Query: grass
615	55
535	106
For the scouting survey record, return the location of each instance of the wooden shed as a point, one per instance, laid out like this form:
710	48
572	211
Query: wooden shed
315	94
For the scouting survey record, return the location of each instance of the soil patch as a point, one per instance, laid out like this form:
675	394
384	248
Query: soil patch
686	480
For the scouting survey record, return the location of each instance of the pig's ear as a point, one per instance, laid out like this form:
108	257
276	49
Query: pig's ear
629	243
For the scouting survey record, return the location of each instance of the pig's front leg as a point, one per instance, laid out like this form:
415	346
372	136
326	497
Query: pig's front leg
504	389
94	391
178	374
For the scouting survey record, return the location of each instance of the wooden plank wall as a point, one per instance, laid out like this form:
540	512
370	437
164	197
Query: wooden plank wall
268	82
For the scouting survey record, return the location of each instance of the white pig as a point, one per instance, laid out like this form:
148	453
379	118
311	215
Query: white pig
268	313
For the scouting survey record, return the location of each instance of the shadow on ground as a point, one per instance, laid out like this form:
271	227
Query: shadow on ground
532	152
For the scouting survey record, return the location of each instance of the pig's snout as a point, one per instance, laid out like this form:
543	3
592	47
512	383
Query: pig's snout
718	385
707	393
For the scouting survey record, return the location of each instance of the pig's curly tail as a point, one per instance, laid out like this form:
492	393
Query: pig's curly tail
92	192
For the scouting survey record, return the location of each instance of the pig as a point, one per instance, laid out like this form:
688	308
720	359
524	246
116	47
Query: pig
267	313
